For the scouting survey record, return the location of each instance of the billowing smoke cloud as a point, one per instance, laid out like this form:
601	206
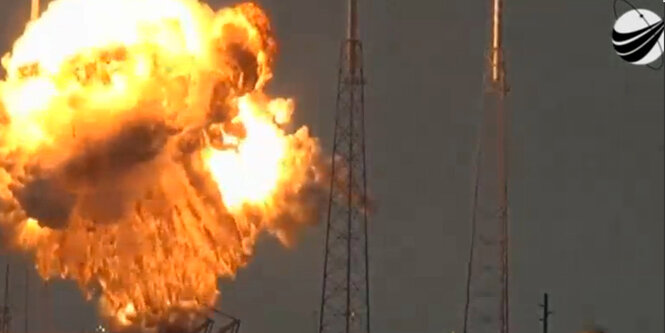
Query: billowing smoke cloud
103	179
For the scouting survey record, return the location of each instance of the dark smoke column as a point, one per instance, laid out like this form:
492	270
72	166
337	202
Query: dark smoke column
345	295
487	307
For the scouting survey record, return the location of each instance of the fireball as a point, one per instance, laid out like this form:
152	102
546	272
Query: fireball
140	155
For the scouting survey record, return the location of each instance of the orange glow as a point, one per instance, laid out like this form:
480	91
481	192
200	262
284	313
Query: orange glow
30	233
34	9
496	38
141	156
249	174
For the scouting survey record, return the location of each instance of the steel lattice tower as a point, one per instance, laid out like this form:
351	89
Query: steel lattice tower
345	292
487	299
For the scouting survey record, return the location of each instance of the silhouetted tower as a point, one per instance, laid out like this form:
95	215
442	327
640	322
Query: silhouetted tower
487	306
345	295
5	319
26	301
46	307
546	313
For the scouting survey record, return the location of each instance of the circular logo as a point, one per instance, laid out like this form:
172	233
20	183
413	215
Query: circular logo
638	36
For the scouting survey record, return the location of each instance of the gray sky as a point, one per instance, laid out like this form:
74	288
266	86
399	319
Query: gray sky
586	165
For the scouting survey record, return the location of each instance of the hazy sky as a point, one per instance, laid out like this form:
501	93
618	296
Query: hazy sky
586	164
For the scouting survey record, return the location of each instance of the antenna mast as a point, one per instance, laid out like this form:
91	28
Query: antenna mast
546	313
352	35
487	299
345	294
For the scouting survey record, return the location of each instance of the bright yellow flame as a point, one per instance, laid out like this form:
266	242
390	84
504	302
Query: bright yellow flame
125	313
250	174
30	233
140	155
496	38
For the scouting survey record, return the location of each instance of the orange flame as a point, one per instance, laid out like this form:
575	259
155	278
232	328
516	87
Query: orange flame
141	157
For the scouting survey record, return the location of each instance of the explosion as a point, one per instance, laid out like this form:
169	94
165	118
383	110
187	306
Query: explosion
140	156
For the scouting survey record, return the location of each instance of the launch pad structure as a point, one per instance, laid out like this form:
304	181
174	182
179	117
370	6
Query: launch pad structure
486	309
215	322
345	301
345	291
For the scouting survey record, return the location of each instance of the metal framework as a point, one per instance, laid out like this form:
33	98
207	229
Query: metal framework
345	293
232	325
487	299
208	324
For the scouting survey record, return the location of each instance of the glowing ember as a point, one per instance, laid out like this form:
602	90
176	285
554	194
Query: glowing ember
140	156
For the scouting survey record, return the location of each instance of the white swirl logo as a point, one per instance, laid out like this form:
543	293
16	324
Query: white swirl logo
638	36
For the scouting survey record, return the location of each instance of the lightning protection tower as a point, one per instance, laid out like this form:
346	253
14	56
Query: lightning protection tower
345	294
487	307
